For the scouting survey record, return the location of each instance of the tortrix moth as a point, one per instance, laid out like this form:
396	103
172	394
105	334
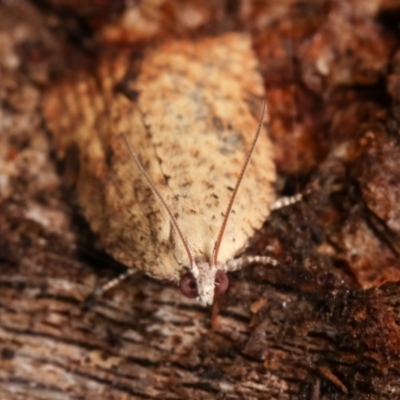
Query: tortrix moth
191	123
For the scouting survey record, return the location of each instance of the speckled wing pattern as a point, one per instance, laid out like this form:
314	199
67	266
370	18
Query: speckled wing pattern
193	121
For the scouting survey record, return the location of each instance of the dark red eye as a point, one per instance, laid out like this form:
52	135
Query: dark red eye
221	282
188	286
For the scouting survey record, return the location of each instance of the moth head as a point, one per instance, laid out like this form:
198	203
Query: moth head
203	283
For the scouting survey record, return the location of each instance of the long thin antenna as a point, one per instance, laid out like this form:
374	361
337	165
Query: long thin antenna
217	245
160	198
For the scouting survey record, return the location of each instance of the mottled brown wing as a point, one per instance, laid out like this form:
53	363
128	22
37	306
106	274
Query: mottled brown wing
193	122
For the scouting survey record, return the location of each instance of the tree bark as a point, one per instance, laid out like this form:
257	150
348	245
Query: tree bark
324	324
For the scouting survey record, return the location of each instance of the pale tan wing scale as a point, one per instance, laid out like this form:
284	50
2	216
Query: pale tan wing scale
194	120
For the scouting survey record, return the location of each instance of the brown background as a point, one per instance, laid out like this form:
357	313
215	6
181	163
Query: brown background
325	324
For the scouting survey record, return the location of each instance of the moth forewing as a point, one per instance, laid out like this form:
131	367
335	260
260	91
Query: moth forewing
217	245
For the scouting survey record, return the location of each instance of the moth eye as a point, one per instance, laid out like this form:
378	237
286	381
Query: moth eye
221	282
188	286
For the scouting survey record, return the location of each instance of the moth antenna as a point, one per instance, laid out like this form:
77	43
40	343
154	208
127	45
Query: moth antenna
217	244
162	201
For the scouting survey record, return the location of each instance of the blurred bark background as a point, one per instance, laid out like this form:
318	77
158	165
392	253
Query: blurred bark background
325	324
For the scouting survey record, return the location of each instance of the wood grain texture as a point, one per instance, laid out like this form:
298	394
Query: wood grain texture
323	325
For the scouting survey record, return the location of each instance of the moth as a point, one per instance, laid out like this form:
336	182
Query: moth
170	178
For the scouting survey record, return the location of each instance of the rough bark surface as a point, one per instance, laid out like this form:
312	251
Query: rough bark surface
325	324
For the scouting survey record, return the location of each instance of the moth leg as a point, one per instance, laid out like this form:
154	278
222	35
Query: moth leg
244	261
114	282
241	262
91	299
286	201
